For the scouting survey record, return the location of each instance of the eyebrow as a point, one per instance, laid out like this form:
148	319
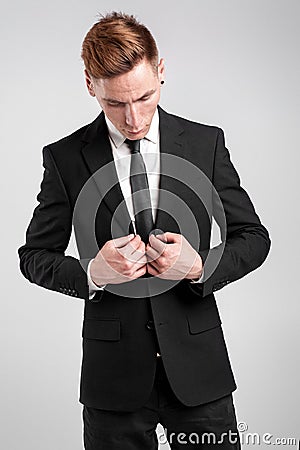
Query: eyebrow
147	94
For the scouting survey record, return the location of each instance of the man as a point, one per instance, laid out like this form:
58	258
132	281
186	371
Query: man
153	347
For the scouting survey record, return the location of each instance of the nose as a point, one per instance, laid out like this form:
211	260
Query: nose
132	117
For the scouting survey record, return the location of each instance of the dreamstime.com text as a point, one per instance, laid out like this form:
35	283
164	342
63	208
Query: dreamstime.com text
232	437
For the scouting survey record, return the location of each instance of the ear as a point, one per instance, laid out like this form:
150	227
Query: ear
89	83
161	70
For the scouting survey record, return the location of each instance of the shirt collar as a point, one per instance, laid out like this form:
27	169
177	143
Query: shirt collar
118	138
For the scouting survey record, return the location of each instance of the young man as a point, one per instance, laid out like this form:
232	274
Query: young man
153	347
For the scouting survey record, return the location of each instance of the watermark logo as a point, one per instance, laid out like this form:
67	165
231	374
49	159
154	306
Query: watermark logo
174	167
242	435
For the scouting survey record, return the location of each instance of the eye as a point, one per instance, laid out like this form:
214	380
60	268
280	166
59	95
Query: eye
114	104
144	99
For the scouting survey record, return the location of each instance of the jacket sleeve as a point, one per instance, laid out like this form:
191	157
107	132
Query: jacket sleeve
42	258
246	242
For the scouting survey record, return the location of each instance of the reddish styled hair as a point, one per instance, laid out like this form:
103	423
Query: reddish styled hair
115	44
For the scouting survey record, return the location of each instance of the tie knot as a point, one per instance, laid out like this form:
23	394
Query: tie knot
133	145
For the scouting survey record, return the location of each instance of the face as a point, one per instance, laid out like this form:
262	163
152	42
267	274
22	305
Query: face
129	100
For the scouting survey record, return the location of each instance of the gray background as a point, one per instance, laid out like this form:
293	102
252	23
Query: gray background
234	64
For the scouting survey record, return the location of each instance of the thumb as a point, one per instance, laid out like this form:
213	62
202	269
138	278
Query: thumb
169	237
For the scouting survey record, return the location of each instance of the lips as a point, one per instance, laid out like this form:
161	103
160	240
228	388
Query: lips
134	132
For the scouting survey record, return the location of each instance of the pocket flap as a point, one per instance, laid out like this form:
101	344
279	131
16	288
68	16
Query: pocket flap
103	329
207	319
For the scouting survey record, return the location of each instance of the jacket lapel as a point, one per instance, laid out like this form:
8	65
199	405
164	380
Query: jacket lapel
97	154
171	143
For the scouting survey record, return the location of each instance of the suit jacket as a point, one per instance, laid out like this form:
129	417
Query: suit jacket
122	332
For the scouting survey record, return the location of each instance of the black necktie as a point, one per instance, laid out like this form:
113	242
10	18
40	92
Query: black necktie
140	192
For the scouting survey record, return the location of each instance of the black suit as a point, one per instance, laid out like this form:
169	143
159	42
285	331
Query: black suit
119	349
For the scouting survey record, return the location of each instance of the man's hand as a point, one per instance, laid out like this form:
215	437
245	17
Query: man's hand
119	260
171	257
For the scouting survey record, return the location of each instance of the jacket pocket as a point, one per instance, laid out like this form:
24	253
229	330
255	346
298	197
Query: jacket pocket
204	320
102	329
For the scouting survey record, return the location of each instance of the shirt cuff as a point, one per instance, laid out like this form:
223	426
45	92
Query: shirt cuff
93	288
199	279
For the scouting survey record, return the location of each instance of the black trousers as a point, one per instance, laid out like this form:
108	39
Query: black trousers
208	426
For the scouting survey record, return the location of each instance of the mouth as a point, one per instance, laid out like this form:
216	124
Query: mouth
134	133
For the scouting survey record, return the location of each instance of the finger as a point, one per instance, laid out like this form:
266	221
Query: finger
133	267
157	244
140	254
152	254
130	247
155	265
139	258
139	246
137	254
152	270
169	237
123	240
135	251
133	245
140	272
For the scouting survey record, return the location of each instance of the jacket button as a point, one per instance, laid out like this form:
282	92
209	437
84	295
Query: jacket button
150	325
